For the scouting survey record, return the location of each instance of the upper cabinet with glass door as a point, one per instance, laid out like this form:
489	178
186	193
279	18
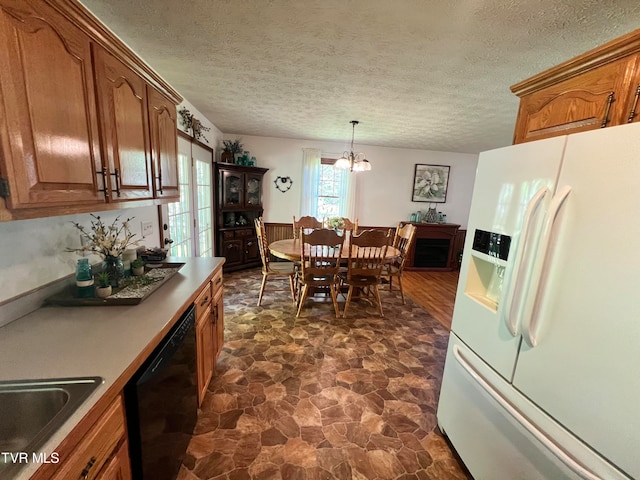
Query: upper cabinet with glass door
253	193
232	185
240	186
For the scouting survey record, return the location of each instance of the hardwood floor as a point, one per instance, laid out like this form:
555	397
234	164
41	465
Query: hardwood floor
433	291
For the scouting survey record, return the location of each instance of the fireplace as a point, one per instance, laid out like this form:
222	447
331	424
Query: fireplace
433	248
431	253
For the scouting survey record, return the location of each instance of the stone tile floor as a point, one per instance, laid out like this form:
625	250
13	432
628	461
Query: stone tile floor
319	397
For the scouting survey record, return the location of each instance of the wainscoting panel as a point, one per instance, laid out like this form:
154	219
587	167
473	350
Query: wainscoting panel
282	231
278	231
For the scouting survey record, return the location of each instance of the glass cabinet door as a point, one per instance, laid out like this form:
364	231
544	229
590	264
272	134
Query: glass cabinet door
254	190
232	189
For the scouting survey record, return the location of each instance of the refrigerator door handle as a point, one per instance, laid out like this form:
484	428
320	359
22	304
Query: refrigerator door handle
541	264
511	310
523	420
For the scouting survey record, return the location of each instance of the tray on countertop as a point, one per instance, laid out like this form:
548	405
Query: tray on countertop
138	289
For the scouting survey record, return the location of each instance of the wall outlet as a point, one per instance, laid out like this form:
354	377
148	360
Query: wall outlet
146	228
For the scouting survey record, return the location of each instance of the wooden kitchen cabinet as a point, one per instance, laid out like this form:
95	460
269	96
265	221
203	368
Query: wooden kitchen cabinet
595	90
239	203
204	340
84	123
122	105
218	319
209	331
164	144
48	123
119	467
99	455
205	351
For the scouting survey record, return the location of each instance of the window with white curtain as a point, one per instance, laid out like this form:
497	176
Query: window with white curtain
331	187
326	191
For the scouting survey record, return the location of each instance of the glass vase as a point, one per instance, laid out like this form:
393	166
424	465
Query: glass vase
84	279
115	268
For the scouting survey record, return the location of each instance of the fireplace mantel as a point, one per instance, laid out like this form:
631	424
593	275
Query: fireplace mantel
436	253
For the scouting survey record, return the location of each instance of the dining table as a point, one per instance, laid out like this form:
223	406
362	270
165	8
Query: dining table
289	249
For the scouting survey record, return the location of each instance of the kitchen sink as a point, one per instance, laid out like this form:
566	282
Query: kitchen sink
32	410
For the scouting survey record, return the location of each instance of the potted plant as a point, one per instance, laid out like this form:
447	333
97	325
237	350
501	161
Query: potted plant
103	288
229	150
137	267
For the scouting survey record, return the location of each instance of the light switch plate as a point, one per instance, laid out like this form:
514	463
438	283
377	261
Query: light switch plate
147	228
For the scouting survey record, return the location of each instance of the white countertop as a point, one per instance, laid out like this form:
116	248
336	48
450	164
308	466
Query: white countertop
58	342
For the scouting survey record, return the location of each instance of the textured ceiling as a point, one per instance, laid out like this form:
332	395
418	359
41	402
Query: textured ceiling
425	74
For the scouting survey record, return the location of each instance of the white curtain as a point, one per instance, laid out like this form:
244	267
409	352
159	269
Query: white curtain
310	181
348	195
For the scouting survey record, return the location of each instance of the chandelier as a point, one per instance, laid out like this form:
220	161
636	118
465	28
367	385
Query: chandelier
354	162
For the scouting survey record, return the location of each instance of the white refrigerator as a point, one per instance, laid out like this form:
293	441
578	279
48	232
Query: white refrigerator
542	375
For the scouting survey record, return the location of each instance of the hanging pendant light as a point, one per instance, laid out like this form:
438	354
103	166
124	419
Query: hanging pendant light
354	162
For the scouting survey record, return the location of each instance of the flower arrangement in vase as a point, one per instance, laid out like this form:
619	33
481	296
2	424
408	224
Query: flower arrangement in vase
108	241
335	222
229	150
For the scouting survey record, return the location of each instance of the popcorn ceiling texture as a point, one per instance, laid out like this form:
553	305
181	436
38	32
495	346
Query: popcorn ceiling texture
423	74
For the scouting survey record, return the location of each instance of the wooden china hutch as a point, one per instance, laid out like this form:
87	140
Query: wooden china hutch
239	202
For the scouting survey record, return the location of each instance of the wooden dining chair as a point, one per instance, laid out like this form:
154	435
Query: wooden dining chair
367	252
270	268
349	225
320	252
307	223
402	240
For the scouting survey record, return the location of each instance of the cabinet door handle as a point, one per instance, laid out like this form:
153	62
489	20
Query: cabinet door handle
85	471
159	178
218	280
605	120
104	189
632	113
204	301
116	173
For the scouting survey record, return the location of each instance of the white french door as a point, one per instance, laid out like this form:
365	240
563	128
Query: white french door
203	192
189	222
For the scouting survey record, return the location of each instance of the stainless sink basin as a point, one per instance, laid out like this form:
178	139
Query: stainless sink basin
32	410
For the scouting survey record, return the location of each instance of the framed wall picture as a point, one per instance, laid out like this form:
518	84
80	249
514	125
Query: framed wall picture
430	183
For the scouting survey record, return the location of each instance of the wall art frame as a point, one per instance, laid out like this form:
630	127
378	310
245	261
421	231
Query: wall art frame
430	183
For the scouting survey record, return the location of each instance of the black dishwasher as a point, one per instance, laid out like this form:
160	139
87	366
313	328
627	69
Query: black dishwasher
162	405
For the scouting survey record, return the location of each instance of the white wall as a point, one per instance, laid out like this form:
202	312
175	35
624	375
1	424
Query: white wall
383	194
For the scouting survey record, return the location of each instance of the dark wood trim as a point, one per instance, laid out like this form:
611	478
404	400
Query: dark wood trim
186	136
458	246
241	168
